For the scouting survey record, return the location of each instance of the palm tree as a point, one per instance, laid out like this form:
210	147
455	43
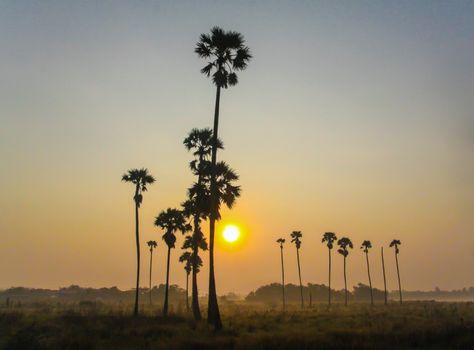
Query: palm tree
186	257
196	206
395	243
295	238
141	179
366	245
280	241
344	243
171	221
329	238
225	53
384	279
152	245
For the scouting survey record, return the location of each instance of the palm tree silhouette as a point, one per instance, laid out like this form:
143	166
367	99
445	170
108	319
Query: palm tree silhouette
186	257
171	221
225	53
141	179
384	279
295	238
280	241
329	238
344	243
395	243
366	245
152	245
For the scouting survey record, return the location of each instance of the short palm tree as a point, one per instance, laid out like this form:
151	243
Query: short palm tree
141	179
225	53
395	243
152	245
384	278
344	243
329	238
171	221
296	239
366	245
281	241
186	258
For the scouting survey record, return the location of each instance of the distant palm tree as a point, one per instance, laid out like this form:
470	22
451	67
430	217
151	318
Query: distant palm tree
329	238
225	53
152	245
186	257
295	238
366	245
384	279
395	243
280	241
344	243
171	221
141	179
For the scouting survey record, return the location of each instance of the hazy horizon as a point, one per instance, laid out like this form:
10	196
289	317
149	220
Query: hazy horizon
352	117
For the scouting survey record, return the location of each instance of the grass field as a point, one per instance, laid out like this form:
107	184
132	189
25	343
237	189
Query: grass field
414	325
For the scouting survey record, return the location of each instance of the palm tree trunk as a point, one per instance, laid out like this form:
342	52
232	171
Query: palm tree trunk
329	289
345	283
135	310
151	265
213	315
165	305
195	295
299	274
398	274
282	277
384	279
370	281
187	291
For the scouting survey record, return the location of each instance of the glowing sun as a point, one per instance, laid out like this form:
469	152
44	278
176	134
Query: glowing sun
231	233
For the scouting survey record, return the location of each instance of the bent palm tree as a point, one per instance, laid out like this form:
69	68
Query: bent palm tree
295	238
280	241
141	179
344	243
366	245
225	53
171	221
329	238
186	257
152	245
395	243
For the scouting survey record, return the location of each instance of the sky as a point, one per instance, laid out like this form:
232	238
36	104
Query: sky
355	117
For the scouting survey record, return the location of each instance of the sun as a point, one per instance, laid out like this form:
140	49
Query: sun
231	233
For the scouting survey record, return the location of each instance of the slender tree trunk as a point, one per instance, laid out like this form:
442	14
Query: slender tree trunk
195	294
282	277
370	280
187	291
329	289
384	278
299	274
345	283
151	265
165	305
398	274
213	315
195	297
135	310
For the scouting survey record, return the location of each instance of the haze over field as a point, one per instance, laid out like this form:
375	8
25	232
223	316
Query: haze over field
352	118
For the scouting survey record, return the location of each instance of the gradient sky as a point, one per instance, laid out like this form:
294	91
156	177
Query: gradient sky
355	117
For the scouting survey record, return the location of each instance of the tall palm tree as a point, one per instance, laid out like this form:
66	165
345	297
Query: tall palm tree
384	279
329	238
395	243
151	245
295	238
171	221
344	243
225	53
366	245
197	205
281	241
186	257
141	179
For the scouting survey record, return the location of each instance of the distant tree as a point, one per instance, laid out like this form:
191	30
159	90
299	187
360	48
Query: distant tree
344	243
186	258
225	53
295	238
384	278
395	243
329	238
366	245
171	221
151	245
281	241
141	179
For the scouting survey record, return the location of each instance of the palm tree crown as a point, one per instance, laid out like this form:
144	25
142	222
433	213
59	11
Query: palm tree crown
187	259
280	241
170	221
344	243
330	238
152	244
141	178
395	243
226	54
295	238
366	245
200	140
